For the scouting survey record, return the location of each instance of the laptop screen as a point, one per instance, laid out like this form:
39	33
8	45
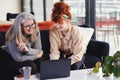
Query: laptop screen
55	68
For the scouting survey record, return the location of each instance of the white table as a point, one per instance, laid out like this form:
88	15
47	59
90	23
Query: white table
83	74
87	74
74	75
33	77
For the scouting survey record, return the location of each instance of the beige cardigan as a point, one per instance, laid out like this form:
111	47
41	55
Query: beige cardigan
72	41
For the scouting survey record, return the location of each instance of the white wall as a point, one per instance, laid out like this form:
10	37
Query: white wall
38	9
13	6
49	6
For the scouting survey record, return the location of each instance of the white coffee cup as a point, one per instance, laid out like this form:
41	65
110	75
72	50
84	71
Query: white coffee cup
26	72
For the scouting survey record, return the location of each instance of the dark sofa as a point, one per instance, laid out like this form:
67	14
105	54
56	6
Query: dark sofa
96	51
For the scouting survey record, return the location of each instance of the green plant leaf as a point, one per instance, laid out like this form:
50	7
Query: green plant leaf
108	60
104	70
111	65
116	56
116	71
107	69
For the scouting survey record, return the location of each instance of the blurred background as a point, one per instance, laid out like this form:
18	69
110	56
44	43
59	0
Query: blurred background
102	15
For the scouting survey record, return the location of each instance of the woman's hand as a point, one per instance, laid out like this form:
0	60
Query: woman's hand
23	47
39	55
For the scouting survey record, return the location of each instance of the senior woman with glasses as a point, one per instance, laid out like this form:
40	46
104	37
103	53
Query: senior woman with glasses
23	43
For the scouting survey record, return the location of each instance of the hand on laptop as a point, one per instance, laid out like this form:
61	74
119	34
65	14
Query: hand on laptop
39	55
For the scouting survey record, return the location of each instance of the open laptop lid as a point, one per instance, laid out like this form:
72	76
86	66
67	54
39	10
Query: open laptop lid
55	68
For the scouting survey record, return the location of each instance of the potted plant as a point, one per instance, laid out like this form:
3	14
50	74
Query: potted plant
112	65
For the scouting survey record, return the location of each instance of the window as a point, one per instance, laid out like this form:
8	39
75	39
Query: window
77	10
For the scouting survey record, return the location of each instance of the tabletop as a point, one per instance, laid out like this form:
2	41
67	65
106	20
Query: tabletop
83	74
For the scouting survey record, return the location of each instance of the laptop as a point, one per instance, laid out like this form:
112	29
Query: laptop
50	69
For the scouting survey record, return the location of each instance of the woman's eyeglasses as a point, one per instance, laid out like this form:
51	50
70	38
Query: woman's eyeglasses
29	26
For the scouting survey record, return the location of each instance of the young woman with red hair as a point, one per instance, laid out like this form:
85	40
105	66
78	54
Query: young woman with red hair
65	38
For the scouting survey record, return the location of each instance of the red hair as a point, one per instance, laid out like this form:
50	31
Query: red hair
60	9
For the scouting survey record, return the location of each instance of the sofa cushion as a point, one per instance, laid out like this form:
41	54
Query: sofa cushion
45	43
98	48
2	38
90	60
86	34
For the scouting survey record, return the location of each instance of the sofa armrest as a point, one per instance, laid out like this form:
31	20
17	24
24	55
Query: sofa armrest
97	48
2	38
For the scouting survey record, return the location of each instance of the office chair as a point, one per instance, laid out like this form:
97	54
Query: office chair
11	16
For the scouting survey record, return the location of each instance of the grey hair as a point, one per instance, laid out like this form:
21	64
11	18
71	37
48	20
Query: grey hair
15	30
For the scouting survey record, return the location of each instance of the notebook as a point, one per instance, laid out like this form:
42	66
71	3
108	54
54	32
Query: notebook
55	69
